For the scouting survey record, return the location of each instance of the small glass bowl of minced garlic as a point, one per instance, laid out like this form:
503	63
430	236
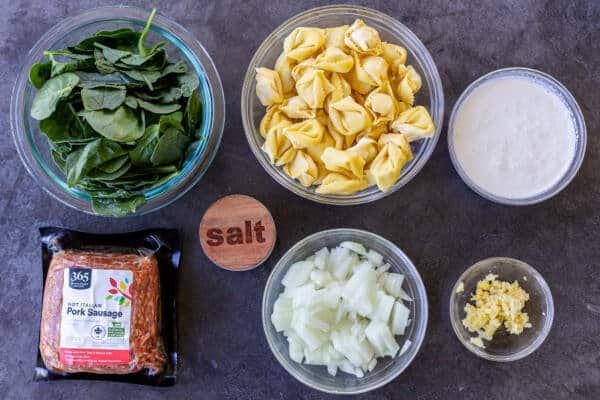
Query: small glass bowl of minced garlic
501	309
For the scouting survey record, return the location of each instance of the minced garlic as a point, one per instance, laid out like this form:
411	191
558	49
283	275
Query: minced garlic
497	303
477	342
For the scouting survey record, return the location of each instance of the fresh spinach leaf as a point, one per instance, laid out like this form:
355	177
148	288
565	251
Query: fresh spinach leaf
103	66
116	207
64	149
193	113
59	67
148	96
120	125
114	164
103	176
170	95
108	193
174	117
67	54
180	67
112	55
65	126
173	120
158	108
150	171
170	147
58	159
148	77
115	38
102	97
40	73
131	102
154	61
93	154
54	89
94	79
144	148
188	82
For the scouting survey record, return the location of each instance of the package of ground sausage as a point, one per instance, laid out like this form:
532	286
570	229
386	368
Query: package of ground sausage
109	306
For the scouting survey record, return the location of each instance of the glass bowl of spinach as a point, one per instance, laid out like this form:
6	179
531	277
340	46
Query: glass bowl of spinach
117	111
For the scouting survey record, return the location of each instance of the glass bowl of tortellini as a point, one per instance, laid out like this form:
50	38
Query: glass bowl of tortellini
342	105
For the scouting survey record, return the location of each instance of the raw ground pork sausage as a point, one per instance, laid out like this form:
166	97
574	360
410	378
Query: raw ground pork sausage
145	344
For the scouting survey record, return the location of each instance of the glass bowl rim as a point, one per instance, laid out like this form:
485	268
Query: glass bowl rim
422	321
414	44
209	74
542	334
579	123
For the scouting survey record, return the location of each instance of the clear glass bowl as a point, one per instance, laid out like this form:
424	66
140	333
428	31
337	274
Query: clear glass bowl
33	147
387	368
431	94
580	132
540	308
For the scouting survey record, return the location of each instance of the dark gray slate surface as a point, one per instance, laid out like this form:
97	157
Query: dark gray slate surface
439	223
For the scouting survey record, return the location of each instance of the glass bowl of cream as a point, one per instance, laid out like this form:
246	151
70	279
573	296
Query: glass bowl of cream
517	136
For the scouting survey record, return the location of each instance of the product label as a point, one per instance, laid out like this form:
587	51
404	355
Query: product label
96	316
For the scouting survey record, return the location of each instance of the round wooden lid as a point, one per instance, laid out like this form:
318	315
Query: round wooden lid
237	233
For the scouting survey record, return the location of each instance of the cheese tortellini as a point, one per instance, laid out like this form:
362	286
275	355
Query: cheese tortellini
305	133
341	111
303	168
341	89
393	54
348	117
268	86
415	123
313	87
372	70
334	60
284	67
297	108
408	82
273	118
278	148
386	167
303	43
335	183
334	37
363	39
343	161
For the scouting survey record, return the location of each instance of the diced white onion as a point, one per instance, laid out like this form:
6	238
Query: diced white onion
381	338
341	309
375	258
298	274
393	283
399	318
321	258
383	310
355	247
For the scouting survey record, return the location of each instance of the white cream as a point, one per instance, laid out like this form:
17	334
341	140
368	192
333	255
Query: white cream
514	137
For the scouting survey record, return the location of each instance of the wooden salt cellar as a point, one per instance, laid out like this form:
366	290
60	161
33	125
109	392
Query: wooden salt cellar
237	233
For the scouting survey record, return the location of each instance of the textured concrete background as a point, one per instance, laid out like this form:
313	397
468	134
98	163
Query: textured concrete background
436	219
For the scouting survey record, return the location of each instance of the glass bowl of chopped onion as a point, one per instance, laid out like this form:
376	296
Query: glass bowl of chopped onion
430	96
344	311
539	307
151	194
